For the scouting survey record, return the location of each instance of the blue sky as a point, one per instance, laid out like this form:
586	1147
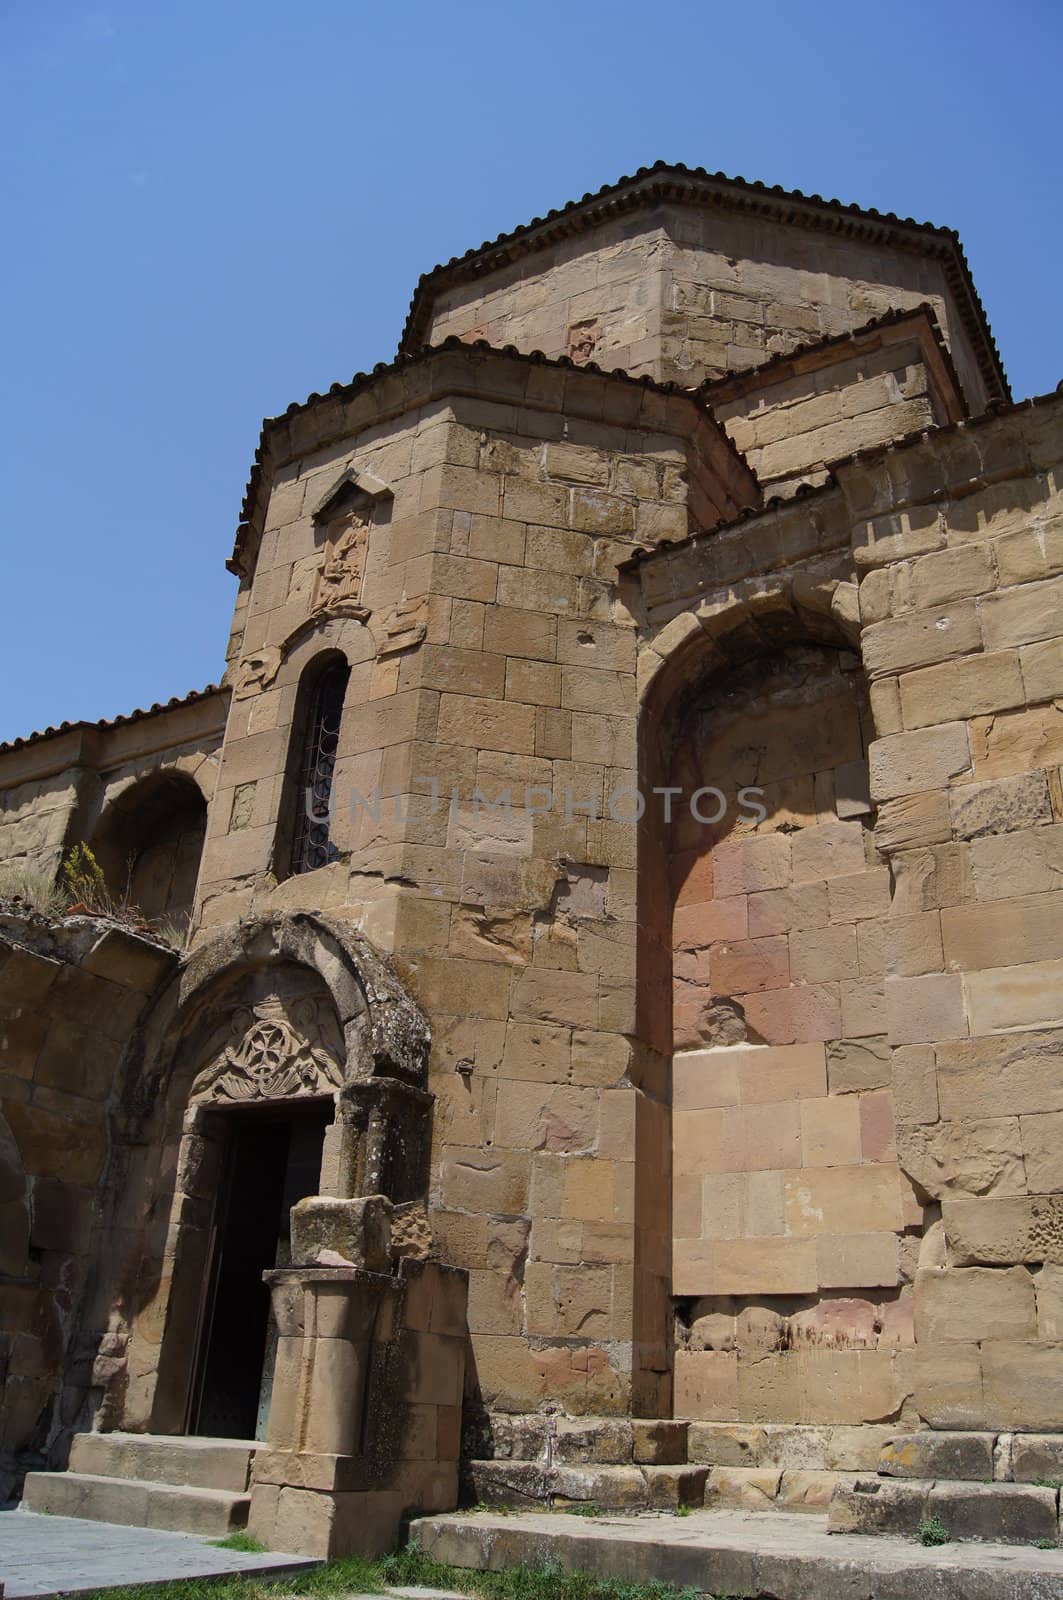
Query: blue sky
214	208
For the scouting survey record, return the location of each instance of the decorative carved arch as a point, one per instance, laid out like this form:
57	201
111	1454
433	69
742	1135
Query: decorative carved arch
384	1032
279	1009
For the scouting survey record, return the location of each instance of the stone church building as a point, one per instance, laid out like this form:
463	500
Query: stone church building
606	1039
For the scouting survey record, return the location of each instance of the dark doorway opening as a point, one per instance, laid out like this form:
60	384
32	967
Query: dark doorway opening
272	1158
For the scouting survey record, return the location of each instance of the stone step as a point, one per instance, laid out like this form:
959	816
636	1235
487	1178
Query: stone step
179	1508
967	1457
733	1553
1003	1513
532	1483
772	1489
163	1458
551	1438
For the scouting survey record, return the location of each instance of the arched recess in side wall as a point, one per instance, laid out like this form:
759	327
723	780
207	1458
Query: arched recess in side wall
762	913
149	842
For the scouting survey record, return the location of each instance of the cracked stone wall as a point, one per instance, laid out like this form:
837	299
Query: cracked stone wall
71	994
963	644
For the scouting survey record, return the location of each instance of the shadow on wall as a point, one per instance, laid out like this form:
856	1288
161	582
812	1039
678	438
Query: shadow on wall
149	842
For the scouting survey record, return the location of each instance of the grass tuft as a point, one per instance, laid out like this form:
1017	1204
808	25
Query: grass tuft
35	887
547	1580
242	1540
932	1531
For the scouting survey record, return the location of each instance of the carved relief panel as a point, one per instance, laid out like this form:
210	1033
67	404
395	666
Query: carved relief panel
338	587
277	1050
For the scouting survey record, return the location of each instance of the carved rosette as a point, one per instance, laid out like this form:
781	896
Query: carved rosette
276	1057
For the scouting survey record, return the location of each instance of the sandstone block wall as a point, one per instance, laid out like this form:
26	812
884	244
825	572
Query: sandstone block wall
70	996
116	787
688	293
792	418
789	1210
768	1109
507	901
962	623
909	1089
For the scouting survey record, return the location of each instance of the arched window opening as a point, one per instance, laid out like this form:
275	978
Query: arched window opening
312	844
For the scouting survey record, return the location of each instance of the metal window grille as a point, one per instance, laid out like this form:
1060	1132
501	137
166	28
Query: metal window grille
312	846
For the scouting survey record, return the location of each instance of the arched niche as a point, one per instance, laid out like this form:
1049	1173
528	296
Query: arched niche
149	841
762	926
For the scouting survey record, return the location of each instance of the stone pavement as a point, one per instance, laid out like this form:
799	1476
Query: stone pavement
785	1555
43	1555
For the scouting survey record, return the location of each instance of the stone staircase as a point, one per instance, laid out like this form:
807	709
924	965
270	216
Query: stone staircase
145	1480
608	1463
866	1479
631	1464
1001	1487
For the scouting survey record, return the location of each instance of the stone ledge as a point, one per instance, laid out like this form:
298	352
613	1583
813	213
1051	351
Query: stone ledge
532	1483
1001	1513
786	1556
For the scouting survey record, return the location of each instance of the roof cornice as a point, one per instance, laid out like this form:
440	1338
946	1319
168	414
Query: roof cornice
945	433
918	322
86	731
677	184
474	360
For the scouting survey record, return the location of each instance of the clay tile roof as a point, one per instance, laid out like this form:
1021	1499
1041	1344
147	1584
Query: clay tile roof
115	722
384	369
716	389
998	409
666	181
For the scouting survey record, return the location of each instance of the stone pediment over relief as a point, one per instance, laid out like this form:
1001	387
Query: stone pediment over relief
278	1051
329	585
338	582
346	515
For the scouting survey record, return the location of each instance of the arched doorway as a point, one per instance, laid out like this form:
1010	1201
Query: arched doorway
285	1061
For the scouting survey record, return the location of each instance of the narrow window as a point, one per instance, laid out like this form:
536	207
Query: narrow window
311	843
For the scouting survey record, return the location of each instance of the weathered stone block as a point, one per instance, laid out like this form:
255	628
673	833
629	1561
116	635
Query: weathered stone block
745	1488
659	1443
1005	1513
1036	1456
606	1440
909	763
975	686
948	1386
1020	615
1007	998
1000	1232
925	1009
1002	805
877	1506
938	1455
1022	1385
973	1157
901	644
